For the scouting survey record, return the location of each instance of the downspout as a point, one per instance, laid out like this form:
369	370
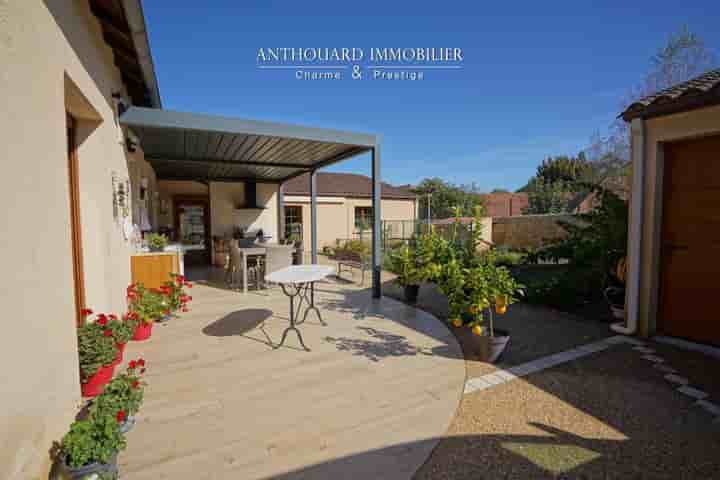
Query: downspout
637	197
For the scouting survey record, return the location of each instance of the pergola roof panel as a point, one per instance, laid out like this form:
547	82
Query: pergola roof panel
181	145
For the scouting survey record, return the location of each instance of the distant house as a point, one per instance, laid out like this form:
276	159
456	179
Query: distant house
344	206
505	204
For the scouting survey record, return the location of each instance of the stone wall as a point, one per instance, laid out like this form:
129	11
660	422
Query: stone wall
527	231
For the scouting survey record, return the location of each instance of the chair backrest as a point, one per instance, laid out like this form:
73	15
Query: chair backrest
235	254
247	242
277	257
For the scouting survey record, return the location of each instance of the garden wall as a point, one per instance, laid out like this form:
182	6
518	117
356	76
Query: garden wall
527	231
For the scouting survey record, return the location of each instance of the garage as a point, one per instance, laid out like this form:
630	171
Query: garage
673	279
690	248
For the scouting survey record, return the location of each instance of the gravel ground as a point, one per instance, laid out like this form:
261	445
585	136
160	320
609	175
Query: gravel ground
608	415
535	331
701	370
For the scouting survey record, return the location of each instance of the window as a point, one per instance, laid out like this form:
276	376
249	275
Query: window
363	218
293	222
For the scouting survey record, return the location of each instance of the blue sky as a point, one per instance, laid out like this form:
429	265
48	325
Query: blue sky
538	78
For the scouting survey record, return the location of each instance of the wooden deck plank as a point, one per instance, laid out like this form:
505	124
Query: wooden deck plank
379	377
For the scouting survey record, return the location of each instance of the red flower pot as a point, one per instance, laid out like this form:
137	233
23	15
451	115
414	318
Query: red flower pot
119	355
95	384
143	331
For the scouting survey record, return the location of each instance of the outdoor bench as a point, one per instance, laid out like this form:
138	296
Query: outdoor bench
349	259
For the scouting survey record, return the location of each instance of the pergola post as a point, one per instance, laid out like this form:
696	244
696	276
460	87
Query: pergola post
281	213
313	216
377	226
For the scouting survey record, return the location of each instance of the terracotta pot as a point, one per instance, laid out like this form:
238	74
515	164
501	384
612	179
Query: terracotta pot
95	384
483	347
143	331
94	470
119	355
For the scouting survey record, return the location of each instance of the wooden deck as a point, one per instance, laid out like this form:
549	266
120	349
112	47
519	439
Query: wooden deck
381	384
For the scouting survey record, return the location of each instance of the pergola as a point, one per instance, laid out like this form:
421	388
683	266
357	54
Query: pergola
190	146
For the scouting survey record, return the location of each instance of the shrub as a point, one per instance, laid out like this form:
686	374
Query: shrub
593	247
92	440
96	348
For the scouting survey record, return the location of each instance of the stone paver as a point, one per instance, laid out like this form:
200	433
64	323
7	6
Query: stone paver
692	392
710	407
671	377
502	376
653	358
664	368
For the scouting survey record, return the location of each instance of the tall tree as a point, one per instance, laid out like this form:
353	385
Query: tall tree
682	57
445	196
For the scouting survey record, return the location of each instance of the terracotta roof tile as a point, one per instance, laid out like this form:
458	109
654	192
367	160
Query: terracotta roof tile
344	185
698	91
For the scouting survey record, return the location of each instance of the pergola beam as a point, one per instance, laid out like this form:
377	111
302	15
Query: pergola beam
313	217
196	178
228	163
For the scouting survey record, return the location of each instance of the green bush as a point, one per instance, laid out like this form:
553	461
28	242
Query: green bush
92	440
124	393
96	348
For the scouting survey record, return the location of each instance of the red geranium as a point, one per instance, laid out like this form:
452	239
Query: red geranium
120	416
102	320
85	312
135	384
107	333
141	362
132	364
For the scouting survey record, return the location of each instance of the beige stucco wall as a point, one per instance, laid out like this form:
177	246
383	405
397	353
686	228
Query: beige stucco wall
52	58
336	216
168	189
695	123
224	198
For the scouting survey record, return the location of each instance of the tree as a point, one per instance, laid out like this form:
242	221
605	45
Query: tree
564	169
445	196
547	197
681	58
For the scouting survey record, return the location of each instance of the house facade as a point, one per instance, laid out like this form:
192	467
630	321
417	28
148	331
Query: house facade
345	207
91	161
61	84
674	230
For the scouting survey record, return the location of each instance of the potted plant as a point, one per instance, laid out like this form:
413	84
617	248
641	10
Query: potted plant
475	285
96	352
175	294
402	264
91	447
122	331
145	306
156	242
122	397
615	293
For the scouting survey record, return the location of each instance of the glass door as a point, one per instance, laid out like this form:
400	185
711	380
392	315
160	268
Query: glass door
192	227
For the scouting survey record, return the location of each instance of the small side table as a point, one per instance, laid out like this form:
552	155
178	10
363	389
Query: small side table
295	282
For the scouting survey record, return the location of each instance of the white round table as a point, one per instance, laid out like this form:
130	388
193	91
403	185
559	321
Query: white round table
295	282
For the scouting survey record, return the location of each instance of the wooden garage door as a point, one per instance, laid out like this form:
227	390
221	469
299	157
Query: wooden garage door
690	250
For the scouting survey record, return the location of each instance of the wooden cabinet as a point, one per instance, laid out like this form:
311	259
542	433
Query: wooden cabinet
153	269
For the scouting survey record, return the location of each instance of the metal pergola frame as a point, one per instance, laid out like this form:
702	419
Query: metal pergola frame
207	148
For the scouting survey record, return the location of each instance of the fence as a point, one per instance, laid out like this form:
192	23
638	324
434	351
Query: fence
528	231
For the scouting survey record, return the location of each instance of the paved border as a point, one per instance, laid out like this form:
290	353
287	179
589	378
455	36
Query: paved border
502	376
695	347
